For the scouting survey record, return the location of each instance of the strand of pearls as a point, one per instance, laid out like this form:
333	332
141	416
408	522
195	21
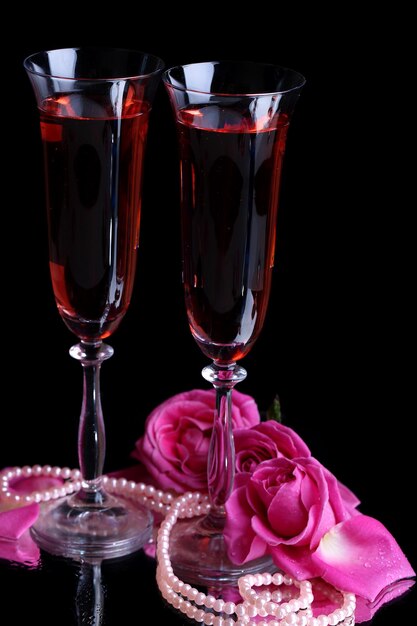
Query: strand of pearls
193	603
72	478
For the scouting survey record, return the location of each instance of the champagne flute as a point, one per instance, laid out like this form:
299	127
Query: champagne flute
232	120
94	106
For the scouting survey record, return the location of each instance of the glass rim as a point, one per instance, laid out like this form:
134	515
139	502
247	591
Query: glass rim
160	64
167	73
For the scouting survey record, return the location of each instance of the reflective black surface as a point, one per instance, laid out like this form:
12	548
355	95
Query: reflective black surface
111	594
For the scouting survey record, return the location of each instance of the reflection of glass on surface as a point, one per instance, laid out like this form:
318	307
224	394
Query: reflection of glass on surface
89	600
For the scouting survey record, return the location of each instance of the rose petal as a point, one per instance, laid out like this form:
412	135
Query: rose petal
326	495
150	550
296	561
365	610
349	499
27	485
361	556
14	522
288	442
286	514
24	550
242	544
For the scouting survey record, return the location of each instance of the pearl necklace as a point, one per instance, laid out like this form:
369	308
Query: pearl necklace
195	604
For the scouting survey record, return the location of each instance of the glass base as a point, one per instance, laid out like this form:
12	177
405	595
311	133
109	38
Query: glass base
74	528
199	556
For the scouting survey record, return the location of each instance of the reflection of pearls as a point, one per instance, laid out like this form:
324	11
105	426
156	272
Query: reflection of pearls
196	605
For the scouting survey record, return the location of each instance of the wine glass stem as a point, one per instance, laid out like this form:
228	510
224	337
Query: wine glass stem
91	433
221	457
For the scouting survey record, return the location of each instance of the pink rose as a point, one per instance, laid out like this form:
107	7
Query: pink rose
296	510
175	445
271	440
266	441
284	507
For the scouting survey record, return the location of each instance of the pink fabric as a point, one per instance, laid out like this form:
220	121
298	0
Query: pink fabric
175	445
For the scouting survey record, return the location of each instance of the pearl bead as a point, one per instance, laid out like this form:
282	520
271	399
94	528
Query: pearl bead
240	610
209	602
193	594
260	603
65	472
200	598
251	611
229	608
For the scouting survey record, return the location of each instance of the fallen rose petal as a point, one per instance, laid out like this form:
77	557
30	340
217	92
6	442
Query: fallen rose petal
361	556
24	550
14	522
25	485
150	550
365	610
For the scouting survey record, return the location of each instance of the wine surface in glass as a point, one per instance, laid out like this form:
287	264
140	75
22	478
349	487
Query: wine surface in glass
93	225
230	173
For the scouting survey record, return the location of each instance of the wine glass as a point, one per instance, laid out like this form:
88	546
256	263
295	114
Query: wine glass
94	106
232	120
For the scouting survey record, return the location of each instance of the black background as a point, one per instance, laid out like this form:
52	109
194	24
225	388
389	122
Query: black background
337	340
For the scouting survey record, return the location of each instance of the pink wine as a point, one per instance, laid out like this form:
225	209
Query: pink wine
93	164
230	173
